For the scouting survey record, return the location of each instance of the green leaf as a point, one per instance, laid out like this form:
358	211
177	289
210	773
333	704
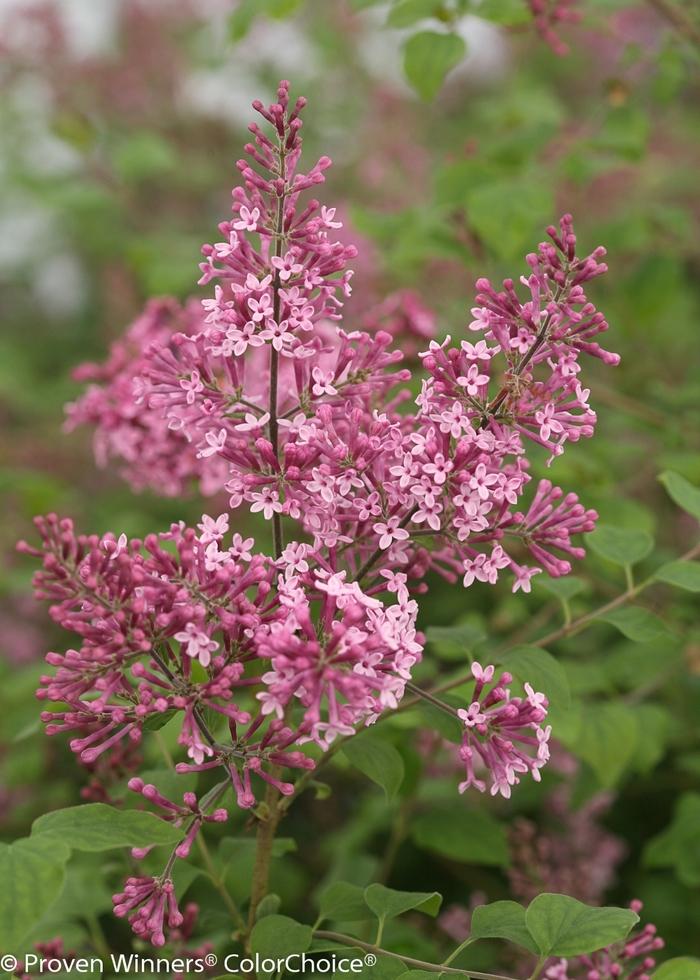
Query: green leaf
269	905
407	12
417	975
144	155
682	492
278	936
428	57
454	642
447	725
653	730
343	902
461	834
563	588
637	624
683	574
563	926
621	545
678	846
32	873
679	968
377	759
510	13
280	9
502	920
507	214
541	670
98	827
606	739
242	18
155	722
387	903
235	861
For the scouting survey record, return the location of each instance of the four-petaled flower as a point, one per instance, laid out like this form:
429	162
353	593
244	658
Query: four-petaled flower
390	532
197	644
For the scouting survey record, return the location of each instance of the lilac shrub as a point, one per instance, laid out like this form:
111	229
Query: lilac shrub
270	657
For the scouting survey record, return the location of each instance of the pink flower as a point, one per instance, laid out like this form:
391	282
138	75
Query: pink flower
287	266
501	733
390	532
197	644
248	220
266	501
253	422
215	443
213	529
473	381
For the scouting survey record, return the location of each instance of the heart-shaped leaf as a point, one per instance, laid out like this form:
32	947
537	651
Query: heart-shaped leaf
502	920
563	926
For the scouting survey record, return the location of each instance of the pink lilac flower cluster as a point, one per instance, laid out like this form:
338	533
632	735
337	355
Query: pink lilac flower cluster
502	734
151	454
631	960
258	655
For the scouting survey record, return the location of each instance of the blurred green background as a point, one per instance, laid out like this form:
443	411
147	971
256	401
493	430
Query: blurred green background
121	123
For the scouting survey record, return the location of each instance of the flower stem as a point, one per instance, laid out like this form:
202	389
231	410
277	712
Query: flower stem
431	699
263	852
339	937
219	883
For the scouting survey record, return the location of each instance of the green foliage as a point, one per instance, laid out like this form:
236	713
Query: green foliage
541	670
32	873
620	545
454	642
387	903
404	13
98	827
682	492
605	738
561	926
278	936
552	925
637	624
377	759
428	57
502	920
343	901
678	846
682	574
679	968
507	214
462	834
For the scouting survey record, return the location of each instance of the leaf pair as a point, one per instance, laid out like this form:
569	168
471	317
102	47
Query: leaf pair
553	925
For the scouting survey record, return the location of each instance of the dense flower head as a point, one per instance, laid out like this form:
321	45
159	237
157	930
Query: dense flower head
502	733
150	906
151	453
262	392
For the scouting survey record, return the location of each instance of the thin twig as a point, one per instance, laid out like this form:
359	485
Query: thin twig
339	937
678	19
